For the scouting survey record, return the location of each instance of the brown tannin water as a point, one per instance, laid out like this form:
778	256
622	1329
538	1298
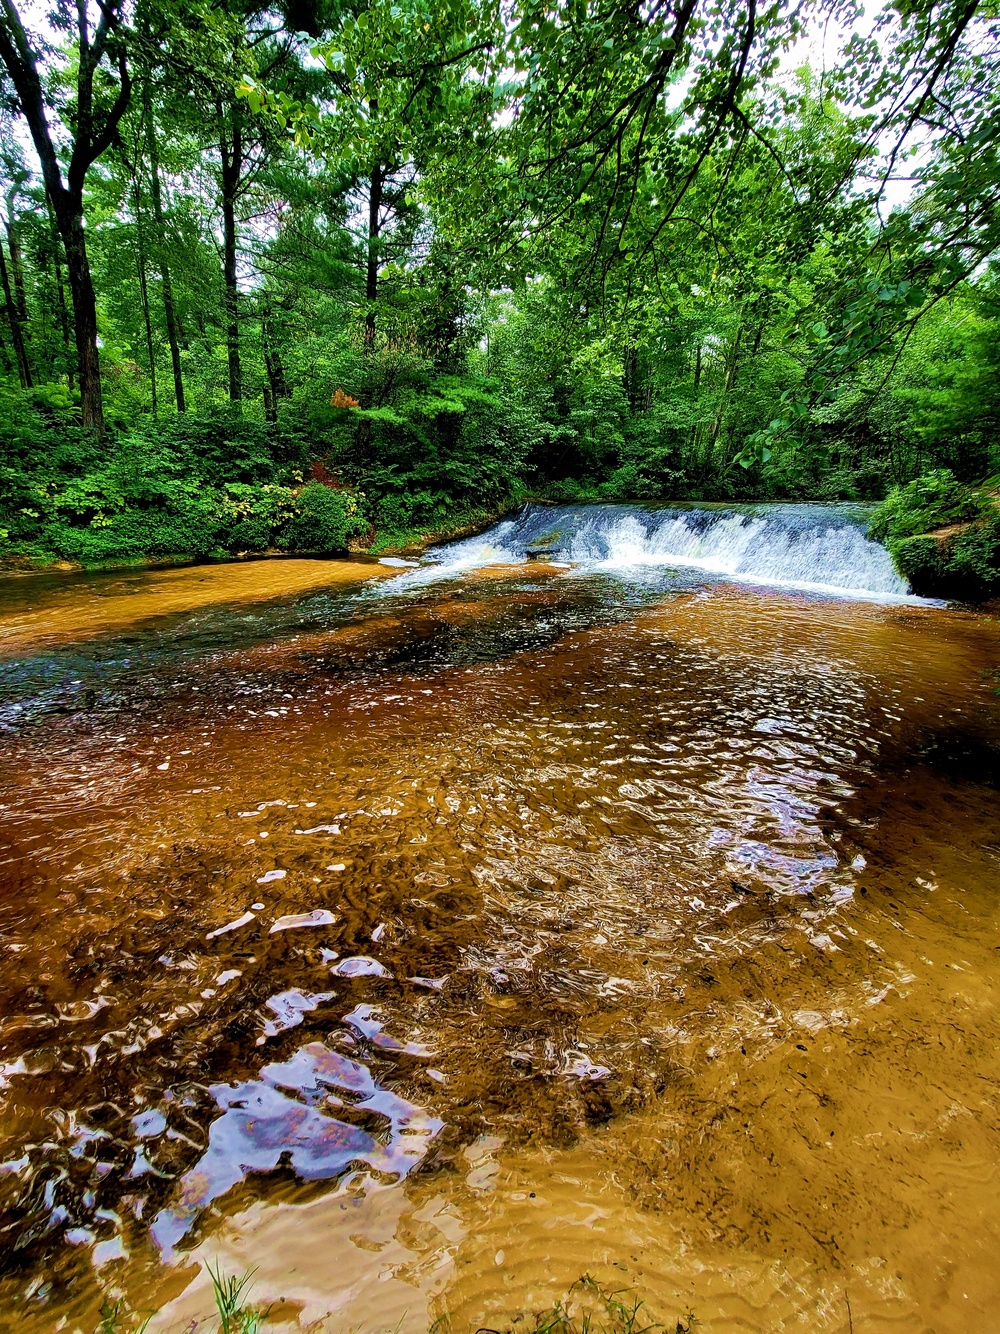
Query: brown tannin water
424	944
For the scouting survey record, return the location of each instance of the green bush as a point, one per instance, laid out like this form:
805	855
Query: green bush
974	557
568	491
226	446
323	521
136	534
445	445
933	501
251	518
921	561
914	523
436	449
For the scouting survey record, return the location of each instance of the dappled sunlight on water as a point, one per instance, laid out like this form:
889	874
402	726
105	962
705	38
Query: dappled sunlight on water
426	948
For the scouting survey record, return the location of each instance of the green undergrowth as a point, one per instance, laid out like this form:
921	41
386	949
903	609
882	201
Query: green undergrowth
588	1308
943	535
223	484
461	523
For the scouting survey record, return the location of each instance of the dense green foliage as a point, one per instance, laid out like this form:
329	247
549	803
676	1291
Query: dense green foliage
944	535
363	269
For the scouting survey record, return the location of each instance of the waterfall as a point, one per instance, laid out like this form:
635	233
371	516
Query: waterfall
821	548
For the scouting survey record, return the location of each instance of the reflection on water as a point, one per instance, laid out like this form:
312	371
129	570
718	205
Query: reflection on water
280	1117
426	949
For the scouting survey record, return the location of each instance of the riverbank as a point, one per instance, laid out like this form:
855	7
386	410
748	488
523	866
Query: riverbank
944	535
389	542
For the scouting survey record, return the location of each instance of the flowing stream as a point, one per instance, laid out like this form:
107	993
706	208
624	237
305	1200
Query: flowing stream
614	892
822	548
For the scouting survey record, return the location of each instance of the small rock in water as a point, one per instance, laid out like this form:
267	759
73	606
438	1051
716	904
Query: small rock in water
337	866
811	1020
106	1251
824	942
268	876
360	965
318	917
435	983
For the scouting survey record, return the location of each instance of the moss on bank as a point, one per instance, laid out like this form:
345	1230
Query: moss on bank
943	535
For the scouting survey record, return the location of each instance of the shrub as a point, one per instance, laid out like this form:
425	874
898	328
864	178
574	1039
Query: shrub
921	561
226	446
250	518
974	557
323	521
933	501
944	536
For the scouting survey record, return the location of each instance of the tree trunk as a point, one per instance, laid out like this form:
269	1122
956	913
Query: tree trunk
69	220
16	265
371	274
169	313
231	151
61	296
363	434
727	389
140	263
90	138
277	387
696	428
13	319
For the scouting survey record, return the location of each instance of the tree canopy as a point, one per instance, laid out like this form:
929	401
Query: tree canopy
432	255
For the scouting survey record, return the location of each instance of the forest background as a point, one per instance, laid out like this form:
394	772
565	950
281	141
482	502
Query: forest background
291	275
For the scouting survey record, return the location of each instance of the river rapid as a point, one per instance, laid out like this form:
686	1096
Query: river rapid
615	892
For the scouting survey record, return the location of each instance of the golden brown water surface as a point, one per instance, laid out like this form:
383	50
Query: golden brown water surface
44	610
424	951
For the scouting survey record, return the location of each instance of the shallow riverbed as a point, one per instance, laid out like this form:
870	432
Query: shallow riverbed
426	942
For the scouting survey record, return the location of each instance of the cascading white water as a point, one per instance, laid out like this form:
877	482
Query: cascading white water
823	548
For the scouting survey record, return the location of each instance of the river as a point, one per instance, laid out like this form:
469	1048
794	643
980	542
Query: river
614	892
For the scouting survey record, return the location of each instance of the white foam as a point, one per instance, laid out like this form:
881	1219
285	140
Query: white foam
814	548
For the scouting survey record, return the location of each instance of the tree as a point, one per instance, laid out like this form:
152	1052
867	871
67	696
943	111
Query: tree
102	88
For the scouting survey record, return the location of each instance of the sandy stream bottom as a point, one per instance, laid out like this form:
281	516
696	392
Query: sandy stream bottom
661	948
